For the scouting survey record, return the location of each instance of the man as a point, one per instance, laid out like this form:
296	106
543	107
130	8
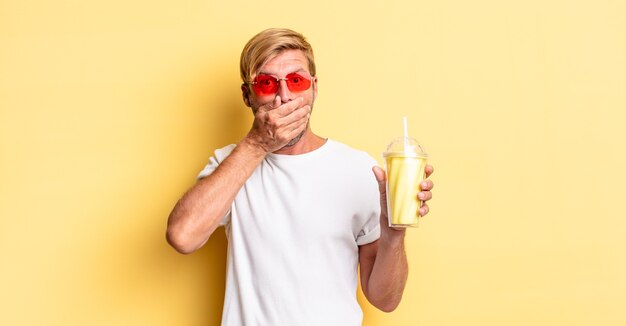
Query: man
300	211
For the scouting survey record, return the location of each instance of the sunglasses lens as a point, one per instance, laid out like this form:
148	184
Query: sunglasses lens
268	85
297	83
265	85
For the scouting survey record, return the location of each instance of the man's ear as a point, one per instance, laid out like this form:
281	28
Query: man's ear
314	88
245	94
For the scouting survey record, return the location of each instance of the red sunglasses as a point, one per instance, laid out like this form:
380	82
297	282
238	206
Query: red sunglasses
268	85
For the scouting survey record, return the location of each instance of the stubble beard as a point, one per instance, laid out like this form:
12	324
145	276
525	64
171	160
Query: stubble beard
296	139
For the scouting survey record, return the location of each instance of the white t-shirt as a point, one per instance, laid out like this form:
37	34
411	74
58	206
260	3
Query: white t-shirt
293	235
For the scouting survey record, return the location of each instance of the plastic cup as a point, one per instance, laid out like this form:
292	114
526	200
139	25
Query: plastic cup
405	162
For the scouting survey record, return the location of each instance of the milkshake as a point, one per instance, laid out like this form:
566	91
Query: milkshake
405	161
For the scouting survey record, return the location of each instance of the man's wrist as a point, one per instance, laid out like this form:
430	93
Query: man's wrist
254	147
392	237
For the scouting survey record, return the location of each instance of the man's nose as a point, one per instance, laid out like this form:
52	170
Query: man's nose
284	92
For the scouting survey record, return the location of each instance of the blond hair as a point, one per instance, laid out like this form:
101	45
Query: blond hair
269	43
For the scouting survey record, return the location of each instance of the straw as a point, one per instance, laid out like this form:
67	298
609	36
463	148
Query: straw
406	135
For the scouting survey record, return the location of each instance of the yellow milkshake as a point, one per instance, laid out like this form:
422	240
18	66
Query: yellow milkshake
406	160
404	175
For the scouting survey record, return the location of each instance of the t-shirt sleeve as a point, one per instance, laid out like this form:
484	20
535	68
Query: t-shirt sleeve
370	232
213	163
371	229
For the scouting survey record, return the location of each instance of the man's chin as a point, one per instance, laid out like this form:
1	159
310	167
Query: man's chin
295	140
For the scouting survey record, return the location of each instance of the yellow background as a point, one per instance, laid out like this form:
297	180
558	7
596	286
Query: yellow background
108	109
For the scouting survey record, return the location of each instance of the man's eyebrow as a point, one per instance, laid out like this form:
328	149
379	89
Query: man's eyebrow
262	72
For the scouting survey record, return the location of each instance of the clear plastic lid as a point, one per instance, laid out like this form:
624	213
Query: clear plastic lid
405	147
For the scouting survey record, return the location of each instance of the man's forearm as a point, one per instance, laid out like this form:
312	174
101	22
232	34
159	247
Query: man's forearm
389	273
199	212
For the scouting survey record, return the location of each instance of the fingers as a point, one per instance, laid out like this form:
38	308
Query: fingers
289	107
425	195
427	185
424	210
381	177
280	115
429	170
291	118
271	105
279	109
300	114
294	129
295	122
276	102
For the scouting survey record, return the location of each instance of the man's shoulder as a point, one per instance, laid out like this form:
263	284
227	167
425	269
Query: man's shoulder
351	152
